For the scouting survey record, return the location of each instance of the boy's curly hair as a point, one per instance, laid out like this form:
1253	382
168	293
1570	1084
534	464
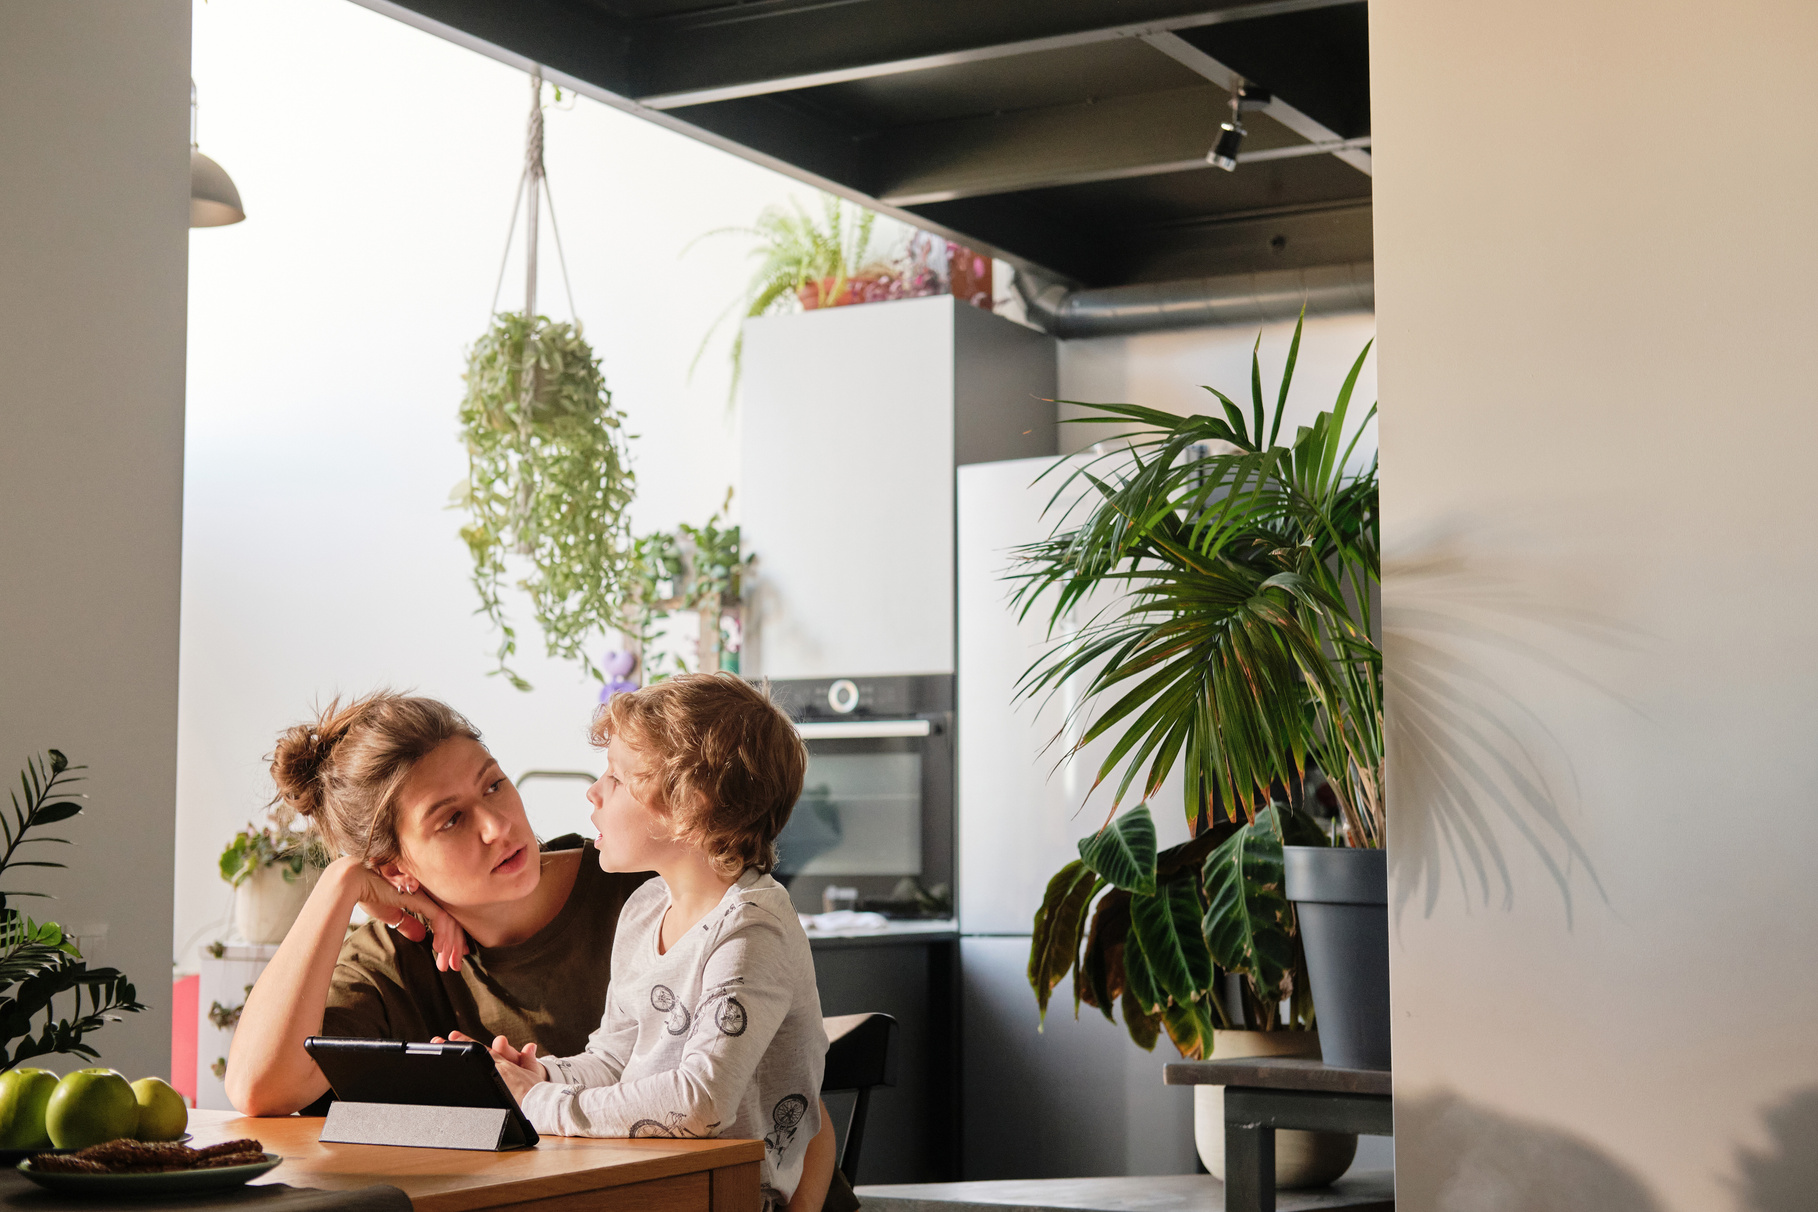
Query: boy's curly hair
726	763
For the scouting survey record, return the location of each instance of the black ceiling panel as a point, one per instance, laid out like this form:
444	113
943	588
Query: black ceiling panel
1065	135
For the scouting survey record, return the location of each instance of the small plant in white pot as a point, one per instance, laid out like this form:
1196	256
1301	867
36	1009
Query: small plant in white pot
272	871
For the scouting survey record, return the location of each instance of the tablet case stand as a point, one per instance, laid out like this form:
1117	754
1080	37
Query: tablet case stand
417	1126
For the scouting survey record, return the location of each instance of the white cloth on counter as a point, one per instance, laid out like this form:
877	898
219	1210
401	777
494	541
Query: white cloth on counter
843	919
720	1036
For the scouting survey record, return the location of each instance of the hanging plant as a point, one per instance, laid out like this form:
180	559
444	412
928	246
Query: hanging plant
549	482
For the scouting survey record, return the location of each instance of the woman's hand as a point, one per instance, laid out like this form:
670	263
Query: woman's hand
404	906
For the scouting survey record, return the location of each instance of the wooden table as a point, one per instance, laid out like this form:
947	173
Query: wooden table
562	1174
1266	1093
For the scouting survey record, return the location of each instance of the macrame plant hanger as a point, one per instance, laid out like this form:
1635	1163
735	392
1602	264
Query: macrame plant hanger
534	183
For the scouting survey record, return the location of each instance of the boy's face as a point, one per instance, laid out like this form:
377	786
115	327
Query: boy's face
632	835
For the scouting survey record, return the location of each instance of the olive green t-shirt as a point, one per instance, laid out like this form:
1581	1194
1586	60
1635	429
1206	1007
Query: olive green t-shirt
550	988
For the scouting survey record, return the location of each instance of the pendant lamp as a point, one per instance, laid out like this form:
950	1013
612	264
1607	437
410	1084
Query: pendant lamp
213	200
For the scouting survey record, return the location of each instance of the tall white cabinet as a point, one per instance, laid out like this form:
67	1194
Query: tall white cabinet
853	422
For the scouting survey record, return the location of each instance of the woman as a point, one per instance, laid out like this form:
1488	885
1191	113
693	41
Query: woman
518	941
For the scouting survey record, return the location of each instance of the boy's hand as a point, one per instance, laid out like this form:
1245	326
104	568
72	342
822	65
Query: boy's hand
508	1057
518	1079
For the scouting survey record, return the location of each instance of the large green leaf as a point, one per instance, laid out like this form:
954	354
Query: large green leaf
1168	927
1248	923
1123	852
1139	981
1144	1027
1101	963
1054	947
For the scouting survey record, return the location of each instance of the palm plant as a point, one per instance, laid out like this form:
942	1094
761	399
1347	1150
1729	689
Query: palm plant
1240	643
38	962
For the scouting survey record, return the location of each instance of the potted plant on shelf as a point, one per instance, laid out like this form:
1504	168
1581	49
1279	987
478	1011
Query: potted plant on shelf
835	261
1195	941
272	870
1241	646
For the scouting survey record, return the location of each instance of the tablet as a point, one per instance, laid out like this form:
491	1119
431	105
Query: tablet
432	1075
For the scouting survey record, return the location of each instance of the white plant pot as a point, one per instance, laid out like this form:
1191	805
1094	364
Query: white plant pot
267	905
1302	1159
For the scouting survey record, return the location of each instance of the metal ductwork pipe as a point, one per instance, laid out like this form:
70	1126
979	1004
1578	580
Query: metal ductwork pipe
1193	302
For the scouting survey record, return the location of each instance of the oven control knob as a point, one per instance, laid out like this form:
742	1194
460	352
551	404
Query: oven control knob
843	696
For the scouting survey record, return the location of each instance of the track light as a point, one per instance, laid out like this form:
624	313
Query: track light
1245	98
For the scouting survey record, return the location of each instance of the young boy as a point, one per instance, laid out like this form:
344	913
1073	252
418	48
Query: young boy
712	1024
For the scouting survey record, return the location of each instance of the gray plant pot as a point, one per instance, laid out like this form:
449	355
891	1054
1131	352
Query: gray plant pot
1342	899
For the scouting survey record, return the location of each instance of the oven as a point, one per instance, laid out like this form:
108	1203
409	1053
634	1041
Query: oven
875	820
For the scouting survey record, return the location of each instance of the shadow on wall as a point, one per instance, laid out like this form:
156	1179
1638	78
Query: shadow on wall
1453	1156
1784	1179
1471	763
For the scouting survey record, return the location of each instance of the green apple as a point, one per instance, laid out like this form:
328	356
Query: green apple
163	1115
90	1106
23	1095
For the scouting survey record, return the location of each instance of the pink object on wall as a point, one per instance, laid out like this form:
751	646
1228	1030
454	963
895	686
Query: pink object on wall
184	1005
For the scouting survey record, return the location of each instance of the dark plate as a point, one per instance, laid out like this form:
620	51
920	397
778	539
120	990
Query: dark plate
170	1182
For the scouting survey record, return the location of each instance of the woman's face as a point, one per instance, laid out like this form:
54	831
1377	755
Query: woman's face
633	835
462	829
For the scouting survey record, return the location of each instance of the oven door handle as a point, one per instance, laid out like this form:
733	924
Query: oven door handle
837	730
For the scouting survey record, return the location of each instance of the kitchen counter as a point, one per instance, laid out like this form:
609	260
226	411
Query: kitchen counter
929	931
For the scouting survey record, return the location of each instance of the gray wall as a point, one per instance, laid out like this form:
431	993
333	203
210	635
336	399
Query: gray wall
1594	257
1075	1100
94	203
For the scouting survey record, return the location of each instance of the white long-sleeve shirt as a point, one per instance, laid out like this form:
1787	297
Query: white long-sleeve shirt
720	1036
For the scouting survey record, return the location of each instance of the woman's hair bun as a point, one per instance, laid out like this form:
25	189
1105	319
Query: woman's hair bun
303	750
342	770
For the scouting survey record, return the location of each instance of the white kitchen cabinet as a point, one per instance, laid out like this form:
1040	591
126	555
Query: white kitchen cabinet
853	422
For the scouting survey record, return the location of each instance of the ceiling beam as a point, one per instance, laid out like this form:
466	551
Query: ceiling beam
1352	151
1119	137
708	125
754	49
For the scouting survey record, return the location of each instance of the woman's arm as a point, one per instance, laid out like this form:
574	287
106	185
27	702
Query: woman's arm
268	1073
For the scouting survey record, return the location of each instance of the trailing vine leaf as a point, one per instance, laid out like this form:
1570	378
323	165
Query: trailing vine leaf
1058	926
549	482
1123	852
1248	922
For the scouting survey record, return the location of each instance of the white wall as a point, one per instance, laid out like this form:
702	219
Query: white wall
328	332
1594	259
1168	370
94	201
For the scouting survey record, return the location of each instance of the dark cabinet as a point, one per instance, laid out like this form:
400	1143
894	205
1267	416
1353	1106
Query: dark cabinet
912	1134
